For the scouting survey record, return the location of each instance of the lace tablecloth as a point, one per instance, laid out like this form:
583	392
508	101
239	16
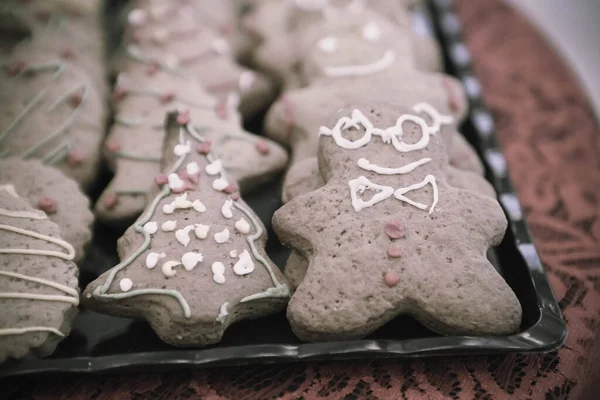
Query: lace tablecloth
552	142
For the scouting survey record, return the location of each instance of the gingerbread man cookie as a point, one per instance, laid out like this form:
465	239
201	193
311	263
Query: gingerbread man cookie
387	235
194	263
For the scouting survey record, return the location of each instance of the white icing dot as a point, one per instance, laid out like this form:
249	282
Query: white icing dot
169	226
233	253
371	32
191	259
201	231
328	44
221	237
182	149
246	81
181	202
220	184
175	182
214	168
152	259
226	209
199	206
125	284
244	265
168	209
218	270
168	268
242	226
137	17
221	47
192	168
172	61
183	235
151	227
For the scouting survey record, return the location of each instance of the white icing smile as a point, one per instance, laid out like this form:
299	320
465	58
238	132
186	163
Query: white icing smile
367	69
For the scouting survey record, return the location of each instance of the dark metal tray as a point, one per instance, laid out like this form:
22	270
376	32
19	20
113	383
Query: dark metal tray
100	343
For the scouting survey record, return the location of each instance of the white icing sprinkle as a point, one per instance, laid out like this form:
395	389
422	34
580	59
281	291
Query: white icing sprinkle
226	209
371	32
125	284
246	81
168	268
367	69
244	265
182	149
192	168
151	227
191	259
223	313
182	202
152	259
137	17
242	226
214	168
183	235
201	231
233	253
220	184
169	226
175	182
168	209
221	237
198	206
221	47
328	44
171	61
218	270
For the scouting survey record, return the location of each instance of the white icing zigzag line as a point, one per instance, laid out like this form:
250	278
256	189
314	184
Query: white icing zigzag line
70	251
437	118
368	69
366	165
19	331
359	185
429	179
73	298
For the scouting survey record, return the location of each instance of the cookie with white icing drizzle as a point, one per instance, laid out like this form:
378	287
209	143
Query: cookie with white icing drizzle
38	280
134	145
59	196
387	235
175	39
194	262
49	110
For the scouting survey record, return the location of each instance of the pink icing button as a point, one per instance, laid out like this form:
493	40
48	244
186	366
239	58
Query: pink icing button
161	179
235	196
75	158
119	93
113	147
110	200
204	147
47	205
263	147
167	97
152	69
231	188
68	54
392	279
194	178
394	229
394	252
184	118
75	99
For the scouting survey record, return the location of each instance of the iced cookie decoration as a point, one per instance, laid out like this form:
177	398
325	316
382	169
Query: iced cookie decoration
69	29
387	235
279	28
194	262
49	110
49	190
38	280
134	145
172	37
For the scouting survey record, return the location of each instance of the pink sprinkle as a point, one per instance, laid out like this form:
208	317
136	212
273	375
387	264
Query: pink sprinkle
119	93
204	147
152	69
47	205
68	54
161	179
184	118
394	252
183	174
167	97
75	158
392	279
16	67
235	196
263	147
394	229
113	147
189	185
231	188
75	99
110	200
